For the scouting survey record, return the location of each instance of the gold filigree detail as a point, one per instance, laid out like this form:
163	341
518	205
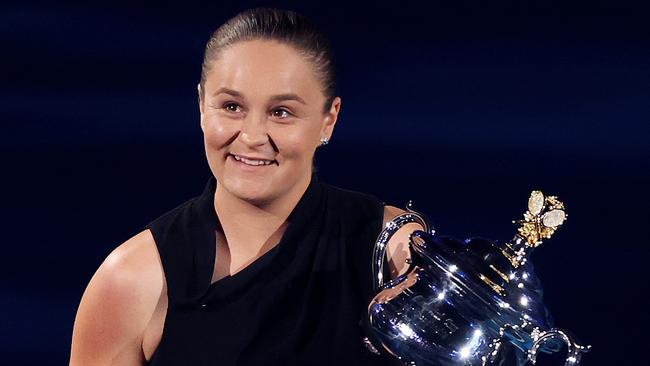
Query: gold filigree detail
511	258
498	289
501	274
543	217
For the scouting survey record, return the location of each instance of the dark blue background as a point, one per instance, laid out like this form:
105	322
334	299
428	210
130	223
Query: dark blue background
463	108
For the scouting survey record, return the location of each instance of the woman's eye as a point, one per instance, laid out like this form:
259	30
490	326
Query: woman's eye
281	115
233	107
228	106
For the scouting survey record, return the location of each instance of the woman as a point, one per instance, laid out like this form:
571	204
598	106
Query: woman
268	265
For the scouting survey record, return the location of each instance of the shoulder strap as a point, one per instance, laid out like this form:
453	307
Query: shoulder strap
185	241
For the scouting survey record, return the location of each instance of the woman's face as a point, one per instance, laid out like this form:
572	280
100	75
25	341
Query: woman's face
262	120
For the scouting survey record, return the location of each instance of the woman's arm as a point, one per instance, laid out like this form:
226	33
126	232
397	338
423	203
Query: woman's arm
397	249
117	306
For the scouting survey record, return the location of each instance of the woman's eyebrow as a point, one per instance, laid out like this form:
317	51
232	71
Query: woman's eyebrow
278	97
288	96
234	93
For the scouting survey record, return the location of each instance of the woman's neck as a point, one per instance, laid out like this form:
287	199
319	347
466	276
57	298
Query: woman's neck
250	229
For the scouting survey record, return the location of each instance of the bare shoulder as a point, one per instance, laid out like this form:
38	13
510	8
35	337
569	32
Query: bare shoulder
117	305
136	256
397	249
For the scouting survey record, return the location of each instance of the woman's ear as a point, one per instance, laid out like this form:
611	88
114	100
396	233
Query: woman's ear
200	101
330	118
199	96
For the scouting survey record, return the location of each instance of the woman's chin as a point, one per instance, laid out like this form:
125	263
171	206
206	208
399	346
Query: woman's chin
254	198
251	192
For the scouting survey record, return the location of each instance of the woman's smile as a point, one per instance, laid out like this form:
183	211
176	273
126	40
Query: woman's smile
249	164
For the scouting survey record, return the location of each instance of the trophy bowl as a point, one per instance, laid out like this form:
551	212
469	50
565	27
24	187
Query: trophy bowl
464	302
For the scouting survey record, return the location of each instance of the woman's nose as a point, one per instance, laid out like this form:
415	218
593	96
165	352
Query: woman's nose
253	130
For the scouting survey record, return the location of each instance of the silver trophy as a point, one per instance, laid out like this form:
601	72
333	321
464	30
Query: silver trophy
467	302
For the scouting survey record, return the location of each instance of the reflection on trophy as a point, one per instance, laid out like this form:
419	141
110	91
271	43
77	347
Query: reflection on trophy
463	302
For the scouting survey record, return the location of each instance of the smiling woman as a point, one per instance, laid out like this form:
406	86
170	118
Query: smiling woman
261	100
269	265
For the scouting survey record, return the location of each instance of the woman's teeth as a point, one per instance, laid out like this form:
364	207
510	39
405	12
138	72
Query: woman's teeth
252	162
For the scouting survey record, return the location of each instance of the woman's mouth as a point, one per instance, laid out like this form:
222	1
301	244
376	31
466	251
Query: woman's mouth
254	162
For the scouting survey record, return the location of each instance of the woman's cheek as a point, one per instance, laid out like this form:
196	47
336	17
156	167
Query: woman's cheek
295	142
218	133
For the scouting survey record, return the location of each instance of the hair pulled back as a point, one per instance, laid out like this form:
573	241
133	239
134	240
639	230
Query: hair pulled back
279	25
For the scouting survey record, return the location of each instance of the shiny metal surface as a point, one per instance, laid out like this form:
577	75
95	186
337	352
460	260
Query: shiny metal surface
463	302
389	229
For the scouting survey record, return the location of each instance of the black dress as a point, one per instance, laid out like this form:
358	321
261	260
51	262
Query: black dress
301	303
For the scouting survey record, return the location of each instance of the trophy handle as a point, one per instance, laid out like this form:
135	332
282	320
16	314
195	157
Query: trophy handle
574	349
384	236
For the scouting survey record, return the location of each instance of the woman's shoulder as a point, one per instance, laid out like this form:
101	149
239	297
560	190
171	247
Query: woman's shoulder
119	301
130	274
136	259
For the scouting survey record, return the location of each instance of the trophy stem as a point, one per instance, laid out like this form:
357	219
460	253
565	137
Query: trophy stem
517	251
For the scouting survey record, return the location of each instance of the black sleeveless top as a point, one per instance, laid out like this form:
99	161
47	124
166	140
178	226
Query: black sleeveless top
301	303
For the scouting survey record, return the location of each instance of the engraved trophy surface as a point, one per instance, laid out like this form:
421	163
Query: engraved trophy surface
464	302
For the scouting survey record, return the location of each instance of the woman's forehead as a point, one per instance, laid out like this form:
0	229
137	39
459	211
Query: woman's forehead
262	67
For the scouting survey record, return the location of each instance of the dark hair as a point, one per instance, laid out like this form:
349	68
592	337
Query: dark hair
280	25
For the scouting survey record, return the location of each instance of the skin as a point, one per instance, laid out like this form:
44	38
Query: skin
121	314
